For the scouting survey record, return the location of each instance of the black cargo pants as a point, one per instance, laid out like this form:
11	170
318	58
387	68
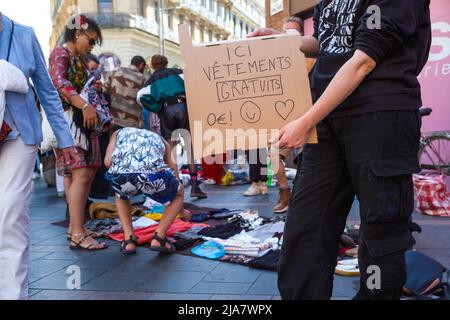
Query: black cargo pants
372	155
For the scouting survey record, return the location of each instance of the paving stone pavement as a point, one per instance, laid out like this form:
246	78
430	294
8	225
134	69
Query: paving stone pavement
109	275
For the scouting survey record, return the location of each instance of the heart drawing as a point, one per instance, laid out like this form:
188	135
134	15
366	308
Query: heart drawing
284	109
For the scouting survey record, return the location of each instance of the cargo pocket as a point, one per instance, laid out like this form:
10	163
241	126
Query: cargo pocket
391	193
389	255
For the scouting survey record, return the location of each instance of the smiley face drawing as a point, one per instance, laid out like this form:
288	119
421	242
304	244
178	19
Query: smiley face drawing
250	112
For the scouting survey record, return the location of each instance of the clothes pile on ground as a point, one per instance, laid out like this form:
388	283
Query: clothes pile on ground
105	221
241	237
256	242
237	236
104	210
348	264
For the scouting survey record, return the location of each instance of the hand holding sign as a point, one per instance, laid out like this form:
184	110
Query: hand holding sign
293	135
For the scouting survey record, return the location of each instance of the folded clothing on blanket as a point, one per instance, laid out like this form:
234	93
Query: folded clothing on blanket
244	244
223	231
191	234
155	216
200	217
103	210
236	258
103	227
184	244
224	213
144	235
267	231
214	214
211	250
143	222
269	261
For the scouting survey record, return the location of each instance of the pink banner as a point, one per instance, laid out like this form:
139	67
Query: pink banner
435	76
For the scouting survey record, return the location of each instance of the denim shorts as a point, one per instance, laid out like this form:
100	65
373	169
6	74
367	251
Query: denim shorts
161	185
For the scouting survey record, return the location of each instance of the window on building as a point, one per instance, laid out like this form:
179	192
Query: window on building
203	3
193	30
170	19
202	34
211	5
105	6
145	8
219	10
155	6
140	8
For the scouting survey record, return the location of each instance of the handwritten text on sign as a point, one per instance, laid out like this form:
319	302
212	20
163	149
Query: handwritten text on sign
240	92
229	88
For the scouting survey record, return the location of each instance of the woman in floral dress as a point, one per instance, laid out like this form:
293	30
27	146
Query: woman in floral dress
69	74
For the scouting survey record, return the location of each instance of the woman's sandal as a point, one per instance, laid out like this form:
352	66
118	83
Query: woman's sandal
90	233
125	243
78	245
162	247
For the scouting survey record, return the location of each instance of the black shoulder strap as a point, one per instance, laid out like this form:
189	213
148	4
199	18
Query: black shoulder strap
10	40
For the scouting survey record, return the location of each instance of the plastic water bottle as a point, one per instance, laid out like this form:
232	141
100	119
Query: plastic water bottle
269	173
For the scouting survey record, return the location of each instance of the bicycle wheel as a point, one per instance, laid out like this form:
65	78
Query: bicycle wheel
434	153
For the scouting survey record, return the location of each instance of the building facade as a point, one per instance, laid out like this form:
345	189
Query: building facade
278	11
131	27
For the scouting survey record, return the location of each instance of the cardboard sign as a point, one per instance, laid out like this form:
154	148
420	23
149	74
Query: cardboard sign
239	92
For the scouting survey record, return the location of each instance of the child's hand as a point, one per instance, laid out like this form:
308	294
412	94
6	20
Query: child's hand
186	215
98	86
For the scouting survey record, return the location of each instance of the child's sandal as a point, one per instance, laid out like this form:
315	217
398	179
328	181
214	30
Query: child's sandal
162	245
125	243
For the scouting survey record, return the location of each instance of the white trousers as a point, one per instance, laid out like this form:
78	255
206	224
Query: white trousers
16	171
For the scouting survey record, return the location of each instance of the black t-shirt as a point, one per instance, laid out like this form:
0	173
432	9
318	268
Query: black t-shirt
400	45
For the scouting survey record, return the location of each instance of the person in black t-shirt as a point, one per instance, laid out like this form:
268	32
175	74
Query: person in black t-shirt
366	100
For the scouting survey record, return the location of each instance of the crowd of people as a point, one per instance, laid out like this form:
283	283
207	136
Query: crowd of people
366	100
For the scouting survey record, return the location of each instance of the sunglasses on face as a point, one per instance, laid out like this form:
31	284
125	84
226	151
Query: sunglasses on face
92	41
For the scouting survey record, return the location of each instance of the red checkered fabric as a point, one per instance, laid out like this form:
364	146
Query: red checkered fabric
432	195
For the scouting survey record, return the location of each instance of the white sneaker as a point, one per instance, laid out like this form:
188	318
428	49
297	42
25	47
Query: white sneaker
252	191
210	181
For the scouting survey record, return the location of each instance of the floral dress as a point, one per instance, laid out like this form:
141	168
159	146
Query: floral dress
69	73
138	167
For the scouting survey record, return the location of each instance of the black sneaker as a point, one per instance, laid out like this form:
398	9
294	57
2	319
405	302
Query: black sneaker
196	192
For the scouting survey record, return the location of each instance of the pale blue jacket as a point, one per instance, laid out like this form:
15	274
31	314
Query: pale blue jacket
26	54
